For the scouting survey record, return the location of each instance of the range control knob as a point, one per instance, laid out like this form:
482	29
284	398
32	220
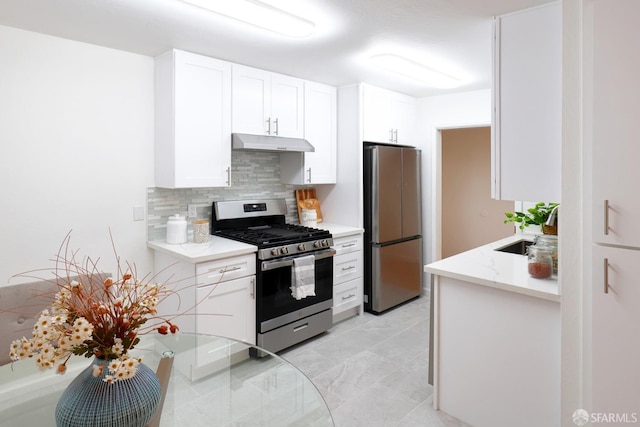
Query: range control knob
284	250
316	244
301	247
275	251
324	243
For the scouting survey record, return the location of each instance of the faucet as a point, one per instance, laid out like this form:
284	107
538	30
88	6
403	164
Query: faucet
553	216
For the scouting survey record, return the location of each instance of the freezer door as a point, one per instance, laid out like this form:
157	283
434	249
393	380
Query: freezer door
411	193
396	274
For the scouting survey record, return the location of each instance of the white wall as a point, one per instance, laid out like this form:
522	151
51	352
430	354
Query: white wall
76	134
444	112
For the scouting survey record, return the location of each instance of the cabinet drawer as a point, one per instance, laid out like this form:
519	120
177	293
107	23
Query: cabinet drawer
347	295
347	244
225	269
347	267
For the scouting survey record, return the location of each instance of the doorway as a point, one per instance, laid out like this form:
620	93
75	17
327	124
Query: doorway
469	216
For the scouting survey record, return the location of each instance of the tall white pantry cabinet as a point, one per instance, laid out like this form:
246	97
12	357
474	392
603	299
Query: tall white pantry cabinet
612	94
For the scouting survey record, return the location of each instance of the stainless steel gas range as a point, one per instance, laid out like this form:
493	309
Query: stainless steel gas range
288	255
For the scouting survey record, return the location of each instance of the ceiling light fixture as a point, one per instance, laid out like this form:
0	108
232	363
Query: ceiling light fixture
416	71
260	15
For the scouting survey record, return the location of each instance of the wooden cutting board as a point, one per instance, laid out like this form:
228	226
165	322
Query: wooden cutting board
306	198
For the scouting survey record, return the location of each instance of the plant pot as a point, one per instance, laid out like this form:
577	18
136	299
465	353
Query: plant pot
89	401
550	229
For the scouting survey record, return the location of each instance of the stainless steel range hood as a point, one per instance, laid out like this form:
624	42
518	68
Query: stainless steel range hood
243	141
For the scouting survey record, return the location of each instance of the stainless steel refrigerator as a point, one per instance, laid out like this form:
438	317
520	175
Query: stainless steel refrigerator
393	225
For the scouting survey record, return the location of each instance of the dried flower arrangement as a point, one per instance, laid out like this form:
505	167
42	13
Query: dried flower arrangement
94	314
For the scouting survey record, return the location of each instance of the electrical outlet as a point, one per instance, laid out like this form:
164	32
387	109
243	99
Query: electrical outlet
138	213
193	211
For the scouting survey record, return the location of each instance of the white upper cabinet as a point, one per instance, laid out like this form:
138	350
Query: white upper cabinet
266	103
613	122
192	121
388	116
320	129
527	97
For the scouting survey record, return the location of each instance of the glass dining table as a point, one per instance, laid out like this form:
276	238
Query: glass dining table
214	381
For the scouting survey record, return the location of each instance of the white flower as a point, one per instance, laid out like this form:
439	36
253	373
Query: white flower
114	365
82	329
131	364
97	370
118	348
59	319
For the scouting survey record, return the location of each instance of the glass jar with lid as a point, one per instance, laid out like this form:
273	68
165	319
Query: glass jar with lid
550	241
540	261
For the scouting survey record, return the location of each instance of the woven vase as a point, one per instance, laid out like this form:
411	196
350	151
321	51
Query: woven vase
89	401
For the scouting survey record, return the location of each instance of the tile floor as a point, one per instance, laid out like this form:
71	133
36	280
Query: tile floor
373	370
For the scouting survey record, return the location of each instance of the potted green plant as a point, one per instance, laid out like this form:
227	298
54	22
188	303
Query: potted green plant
537	215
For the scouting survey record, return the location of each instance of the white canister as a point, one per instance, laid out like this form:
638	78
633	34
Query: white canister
176	229
309	217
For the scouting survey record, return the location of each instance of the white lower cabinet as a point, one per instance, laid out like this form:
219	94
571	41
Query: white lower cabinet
348	277
226	309
496	356
615	331
213	298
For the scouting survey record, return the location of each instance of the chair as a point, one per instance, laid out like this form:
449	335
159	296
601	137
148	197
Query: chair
19	308
164	373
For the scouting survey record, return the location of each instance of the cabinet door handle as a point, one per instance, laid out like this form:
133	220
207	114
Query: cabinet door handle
348	245
309	178
395	137
253	288
606	275
351	267
275	122
228	175
269	126
348	297
390	135
606	217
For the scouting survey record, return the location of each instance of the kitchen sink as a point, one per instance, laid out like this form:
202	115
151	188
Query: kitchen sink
519	247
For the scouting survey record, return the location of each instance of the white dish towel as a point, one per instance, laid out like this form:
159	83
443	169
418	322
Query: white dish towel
303	277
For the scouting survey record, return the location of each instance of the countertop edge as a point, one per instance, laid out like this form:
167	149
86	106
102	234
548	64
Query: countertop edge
180	251
338	230
496	285
477	260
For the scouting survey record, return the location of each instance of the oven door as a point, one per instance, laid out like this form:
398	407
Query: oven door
275	306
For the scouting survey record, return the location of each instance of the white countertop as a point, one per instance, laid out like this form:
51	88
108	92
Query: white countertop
338	230
216	248
219	247
488	267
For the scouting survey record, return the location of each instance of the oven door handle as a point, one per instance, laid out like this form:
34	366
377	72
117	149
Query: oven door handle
288	261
